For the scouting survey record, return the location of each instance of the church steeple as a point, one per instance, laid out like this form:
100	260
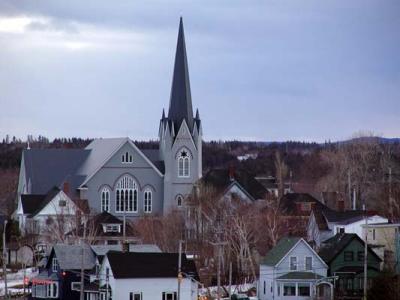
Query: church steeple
180	104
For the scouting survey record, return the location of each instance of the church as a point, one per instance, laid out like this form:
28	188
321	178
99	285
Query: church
113	174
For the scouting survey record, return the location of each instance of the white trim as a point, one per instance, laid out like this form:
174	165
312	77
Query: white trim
126	140
296	264
179	130
309	247
149	192
305	263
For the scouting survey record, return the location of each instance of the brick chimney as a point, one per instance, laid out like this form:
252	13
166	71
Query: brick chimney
66	187
232	173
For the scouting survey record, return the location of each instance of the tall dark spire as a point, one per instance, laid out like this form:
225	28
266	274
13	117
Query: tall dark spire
180	103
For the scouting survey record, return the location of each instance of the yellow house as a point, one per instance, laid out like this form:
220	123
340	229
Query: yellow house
381	238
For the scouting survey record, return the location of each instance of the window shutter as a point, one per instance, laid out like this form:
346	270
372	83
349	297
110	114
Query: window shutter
163	296
175	296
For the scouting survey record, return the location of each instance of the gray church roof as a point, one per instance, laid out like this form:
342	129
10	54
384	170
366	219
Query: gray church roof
46	168
180	105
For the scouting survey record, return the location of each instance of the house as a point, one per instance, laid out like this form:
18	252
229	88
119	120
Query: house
61	271
344	254
382	239
325	223
105	229
230	183
271	184
295	210
141	276
114	174
47	215
293	270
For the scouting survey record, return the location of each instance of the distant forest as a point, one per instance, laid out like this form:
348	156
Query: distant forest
307	163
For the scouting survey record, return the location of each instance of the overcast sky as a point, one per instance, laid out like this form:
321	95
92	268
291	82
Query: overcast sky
259	70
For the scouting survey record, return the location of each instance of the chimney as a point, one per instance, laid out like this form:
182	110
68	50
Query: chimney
66	187
232	173
340	205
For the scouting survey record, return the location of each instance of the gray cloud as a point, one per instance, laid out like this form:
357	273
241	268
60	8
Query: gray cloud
280	70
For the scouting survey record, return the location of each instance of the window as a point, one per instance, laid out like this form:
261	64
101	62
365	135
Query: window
148	201
349	285
183	164
105	200
52	290
293	263
55	265
127	158
308	263
169	296
75	286
62	203
304	289
306	206
340	230
373	234
113	228
360	255
348	256
135	296
179	200
126	195
289	289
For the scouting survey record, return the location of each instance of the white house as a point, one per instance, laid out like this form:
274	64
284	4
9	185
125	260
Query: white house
147	276
324	224
48	214
292	270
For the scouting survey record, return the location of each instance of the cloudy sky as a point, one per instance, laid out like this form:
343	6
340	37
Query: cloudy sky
259	70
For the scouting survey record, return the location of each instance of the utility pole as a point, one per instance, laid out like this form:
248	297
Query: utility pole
82	295
365	253
349	187
4	260
390	193
179	270
230	280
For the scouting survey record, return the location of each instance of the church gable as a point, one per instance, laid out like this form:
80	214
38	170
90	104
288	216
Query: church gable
128	156
184	136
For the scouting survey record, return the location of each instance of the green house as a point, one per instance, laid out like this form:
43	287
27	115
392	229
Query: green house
344	254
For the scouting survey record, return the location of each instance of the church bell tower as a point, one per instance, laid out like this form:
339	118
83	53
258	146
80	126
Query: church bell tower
180	134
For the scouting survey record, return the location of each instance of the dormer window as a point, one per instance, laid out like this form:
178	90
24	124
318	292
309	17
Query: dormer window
112	228
127	158
183	164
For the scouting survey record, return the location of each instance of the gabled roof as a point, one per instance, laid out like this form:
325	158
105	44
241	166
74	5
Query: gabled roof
148	265
221	180
106	218
345	217
46	168
69	257
280	250
335	245
180	105
102	150
33	204
288	204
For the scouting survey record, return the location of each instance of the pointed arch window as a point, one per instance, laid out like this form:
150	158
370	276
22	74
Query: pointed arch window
126	195
148	201
105	200
183	164
179	200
